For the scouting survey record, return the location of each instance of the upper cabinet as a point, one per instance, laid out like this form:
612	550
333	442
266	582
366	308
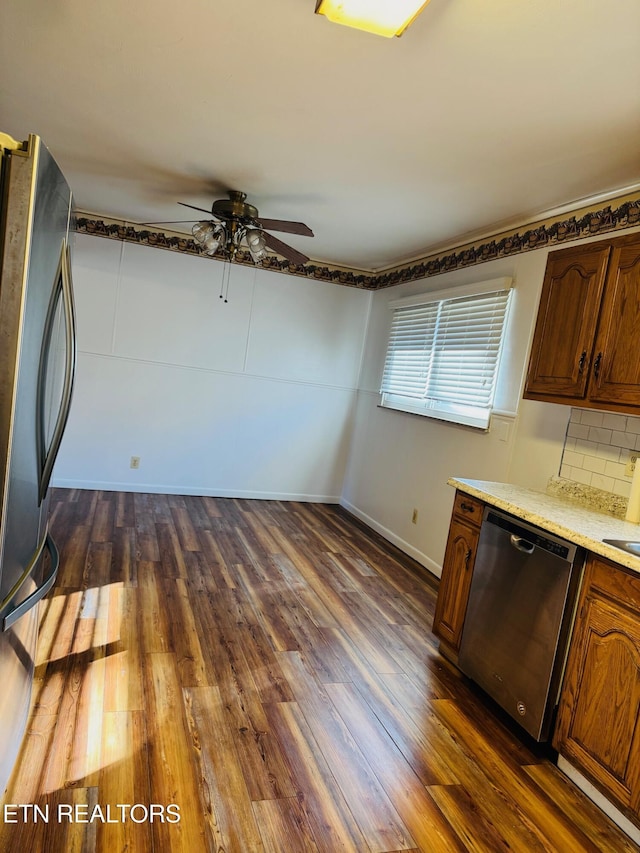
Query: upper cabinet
616	368
585	348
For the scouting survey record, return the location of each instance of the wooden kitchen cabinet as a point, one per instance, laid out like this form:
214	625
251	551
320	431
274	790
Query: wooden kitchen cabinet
598	723
585	350
457	570
567	319
617	346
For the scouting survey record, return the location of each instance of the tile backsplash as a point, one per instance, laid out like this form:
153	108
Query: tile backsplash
597	447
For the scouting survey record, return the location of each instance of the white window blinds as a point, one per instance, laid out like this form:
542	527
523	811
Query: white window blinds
443	354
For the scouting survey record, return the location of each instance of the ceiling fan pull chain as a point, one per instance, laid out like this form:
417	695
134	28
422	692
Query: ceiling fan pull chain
224	286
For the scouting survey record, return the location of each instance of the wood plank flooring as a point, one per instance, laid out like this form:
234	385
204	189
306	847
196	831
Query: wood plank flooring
268	668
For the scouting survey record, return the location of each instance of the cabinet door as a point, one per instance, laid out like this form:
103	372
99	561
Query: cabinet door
598	727
616	367
566	325
456	579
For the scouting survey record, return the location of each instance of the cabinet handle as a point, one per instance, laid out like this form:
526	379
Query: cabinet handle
596	366
467	507
582	362
467	557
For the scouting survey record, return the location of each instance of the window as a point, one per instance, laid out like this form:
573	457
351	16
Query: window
444	350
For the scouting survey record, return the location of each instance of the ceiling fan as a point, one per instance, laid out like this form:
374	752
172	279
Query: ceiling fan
232	220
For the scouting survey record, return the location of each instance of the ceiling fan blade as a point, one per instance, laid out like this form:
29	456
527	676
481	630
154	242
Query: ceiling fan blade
283	249
286	226
169	222
193	207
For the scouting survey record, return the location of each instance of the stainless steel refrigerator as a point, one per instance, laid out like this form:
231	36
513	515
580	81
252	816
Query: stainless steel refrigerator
37	362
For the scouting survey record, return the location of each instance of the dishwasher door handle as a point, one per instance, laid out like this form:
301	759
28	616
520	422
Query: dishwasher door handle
522	544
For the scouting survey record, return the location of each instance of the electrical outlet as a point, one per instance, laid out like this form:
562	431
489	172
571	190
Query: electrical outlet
135	462
414	516
631	464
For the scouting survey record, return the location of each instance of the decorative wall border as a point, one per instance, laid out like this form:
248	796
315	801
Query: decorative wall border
114	230
552	232
587	222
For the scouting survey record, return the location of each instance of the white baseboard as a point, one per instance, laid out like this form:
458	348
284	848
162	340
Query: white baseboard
156	489
417	555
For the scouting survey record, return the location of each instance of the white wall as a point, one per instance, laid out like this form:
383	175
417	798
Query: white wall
399	461
253	397
260	397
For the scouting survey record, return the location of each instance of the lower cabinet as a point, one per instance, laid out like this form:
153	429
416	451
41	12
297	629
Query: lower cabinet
598	724
457	569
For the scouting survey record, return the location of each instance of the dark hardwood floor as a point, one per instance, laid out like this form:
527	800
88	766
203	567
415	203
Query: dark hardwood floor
269	669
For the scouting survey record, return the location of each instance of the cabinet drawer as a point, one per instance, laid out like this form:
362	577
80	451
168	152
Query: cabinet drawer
614	582
468	508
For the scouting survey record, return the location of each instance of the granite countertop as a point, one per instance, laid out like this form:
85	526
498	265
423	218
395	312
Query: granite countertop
565	518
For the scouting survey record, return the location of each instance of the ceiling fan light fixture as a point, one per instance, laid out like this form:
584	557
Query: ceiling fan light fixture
382	17
257	245
257	256
255	239
235	225
212	243
202	230
209	236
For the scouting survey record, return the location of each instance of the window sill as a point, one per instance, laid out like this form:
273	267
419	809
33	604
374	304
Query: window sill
478	419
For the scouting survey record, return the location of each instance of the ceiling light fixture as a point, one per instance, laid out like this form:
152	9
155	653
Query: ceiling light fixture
382	17
214	235
257	245
236	226
209	235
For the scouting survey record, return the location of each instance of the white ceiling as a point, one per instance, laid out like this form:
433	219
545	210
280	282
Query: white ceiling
482	114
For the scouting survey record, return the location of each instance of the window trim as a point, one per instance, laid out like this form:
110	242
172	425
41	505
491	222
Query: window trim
476	289
476	417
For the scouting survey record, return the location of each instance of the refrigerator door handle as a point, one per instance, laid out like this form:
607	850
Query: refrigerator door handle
9	614
48	457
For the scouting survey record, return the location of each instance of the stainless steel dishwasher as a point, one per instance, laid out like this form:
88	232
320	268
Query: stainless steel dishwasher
519	614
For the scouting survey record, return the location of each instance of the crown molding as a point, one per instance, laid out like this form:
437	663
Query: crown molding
577	208
551	231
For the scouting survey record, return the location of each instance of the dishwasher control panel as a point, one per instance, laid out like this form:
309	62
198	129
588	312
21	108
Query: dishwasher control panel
565	550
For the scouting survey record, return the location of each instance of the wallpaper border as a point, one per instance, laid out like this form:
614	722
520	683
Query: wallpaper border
552	232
